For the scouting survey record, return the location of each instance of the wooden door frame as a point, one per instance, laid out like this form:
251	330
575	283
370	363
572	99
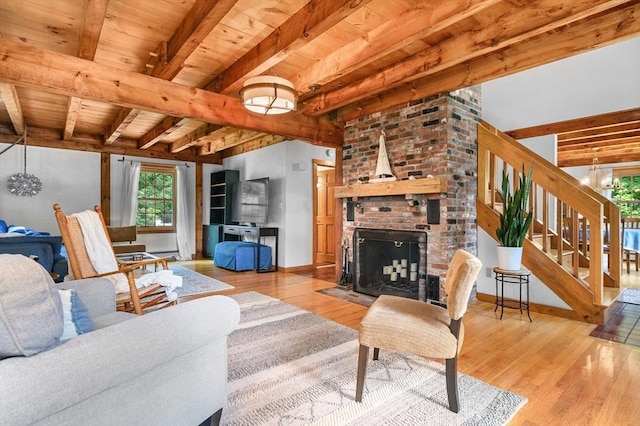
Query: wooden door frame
314	211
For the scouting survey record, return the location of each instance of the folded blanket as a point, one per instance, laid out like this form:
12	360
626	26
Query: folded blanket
103	260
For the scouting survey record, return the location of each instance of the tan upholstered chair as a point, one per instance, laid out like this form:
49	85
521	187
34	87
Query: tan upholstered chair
137	299
406	325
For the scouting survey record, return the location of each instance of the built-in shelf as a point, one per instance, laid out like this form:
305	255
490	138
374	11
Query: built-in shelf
435	185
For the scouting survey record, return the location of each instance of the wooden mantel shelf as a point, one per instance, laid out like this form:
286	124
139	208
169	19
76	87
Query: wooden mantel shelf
436	185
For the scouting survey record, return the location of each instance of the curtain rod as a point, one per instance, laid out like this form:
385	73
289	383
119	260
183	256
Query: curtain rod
123	159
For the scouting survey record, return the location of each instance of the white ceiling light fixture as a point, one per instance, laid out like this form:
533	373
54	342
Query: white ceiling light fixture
269	95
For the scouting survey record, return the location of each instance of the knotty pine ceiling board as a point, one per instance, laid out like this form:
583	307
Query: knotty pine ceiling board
144	122
53	25
125	43
272	13
47	109
94	117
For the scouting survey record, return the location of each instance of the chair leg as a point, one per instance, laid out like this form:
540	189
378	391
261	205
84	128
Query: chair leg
362	371
452	383
376	352
214	420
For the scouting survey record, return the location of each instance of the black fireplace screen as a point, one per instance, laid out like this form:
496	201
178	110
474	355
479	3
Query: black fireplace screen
390	262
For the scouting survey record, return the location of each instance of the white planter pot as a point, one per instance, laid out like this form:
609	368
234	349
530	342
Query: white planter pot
510	258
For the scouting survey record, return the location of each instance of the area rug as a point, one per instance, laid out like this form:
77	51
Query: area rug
348	295
195	283
630	295
289	366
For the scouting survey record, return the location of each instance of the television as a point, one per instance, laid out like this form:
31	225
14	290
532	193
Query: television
250	202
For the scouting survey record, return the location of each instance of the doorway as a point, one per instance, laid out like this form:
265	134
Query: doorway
324	179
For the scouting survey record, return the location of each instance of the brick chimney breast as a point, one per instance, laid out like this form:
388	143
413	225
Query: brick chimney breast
434	136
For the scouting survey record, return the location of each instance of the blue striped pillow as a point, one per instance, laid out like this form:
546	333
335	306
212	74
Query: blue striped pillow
76	316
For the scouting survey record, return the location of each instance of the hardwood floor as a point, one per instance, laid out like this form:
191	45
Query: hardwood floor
569	377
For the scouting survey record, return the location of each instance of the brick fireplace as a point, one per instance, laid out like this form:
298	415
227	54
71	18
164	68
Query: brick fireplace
434	136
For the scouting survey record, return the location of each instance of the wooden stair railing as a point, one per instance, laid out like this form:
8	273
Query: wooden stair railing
565	244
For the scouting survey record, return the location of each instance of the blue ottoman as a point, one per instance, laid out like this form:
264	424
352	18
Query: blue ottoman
241	255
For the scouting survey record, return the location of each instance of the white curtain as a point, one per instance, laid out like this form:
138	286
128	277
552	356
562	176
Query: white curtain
186	244
129	195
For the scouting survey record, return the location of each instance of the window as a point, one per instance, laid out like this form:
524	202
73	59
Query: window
626	192
156	198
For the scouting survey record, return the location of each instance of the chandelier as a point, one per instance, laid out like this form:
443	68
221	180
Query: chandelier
24	184
597	177
266	94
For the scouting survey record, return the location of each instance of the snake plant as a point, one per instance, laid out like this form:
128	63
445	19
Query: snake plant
515	218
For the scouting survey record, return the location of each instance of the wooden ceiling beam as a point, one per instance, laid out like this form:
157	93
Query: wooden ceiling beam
621	154
598	146
11	101
169	58
93	17
613	130
566	126
195	27
618	137
193	138
598	31
73	109
236	137
90	143
261	142
416	23
55	72
310	21
119	124
522	24
161	130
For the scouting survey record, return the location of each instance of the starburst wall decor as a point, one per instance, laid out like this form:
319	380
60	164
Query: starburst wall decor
24	184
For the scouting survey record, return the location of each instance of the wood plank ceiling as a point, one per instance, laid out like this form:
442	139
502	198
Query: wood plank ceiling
160	78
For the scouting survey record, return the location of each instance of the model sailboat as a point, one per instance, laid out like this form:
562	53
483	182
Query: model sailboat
383	169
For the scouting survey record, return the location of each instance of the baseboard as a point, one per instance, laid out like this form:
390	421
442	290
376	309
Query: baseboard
294	269
534	307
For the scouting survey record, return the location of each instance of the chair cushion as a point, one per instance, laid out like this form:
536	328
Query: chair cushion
31	318
407	325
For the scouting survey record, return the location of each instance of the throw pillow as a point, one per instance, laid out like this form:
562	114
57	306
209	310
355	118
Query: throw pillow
30	307
76	316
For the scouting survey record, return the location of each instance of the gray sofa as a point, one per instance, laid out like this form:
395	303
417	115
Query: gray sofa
164	368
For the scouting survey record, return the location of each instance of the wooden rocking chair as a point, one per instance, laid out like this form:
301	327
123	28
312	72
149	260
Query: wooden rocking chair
137	299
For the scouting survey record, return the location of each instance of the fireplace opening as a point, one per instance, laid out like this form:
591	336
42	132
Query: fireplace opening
390	262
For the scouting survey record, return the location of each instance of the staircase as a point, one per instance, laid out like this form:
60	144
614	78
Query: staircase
573	226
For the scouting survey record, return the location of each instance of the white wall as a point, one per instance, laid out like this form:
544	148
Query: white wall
70	178
288	166
580	86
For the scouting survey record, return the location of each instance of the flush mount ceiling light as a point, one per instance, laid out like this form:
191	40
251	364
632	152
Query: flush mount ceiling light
267	94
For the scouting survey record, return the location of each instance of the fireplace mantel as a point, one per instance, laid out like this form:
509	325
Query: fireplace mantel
433	185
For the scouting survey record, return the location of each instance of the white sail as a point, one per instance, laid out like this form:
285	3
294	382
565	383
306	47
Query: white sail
383	169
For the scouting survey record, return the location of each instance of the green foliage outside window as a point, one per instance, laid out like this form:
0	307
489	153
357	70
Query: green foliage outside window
156	199
627	196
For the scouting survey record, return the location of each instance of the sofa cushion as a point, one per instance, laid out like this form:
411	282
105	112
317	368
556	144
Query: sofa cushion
30	308
76	315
